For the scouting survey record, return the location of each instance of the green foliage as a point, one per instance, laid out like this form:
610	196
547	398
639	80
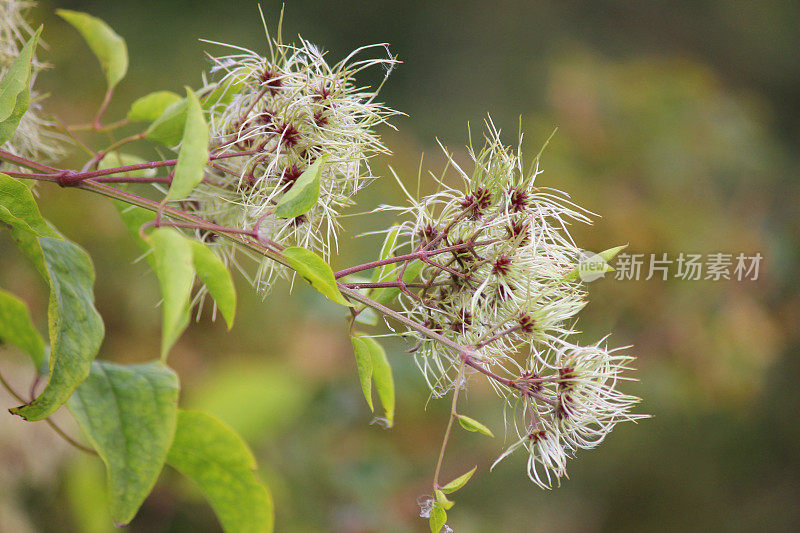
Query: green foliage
442	500
315	271
217	279
129	414
193	154
110	48
76	329
437	519
168	128
458	482
174	267
364	367
119	159
134	217
220	463
386	295
606	255
17	329
372	363
380	273
304	192
470	424
15	89
18	209
151	106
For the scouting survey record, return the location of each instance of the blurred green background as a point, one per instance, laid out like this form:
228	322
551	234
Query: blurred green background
678	123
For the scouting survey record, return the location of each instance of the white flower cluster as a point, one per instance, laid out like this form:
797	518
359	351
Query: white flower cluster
34	137
500	289
289	110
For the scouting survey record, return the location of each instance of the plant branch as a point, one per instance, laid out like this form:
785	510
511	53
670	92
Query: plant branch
453	415
50	423
419	254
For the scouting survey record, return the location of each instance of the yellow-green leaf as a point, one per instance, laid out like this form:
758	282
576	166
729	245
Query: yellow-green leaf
17	77
76	329
382	376
442	500
110	48
316	271
129	414
380	273
437	519
217	279
458	482
223	92
364	366
470	424
151	106
213	456
17	329
304	192
168	127
597	262
134	217
121	159
15	89
193	155
18	209
385	295
175	271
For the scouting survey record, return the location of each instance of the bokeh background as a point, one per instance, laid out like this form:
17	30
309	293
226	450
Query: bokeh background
678	123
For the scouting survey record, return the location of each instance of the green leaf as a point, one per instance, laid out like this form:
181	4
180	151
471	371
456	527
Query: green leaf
220	463
120	159
611	253
442	500
316	271
76	329
129	414
17	329
382	376
386	295
380	273
458	482
109	47
15	89
193	155
437	519
151	106
168	128
364	366
367	316
10	124
223	92
304	192
134	217
470	424
604	256
217	279
18	208
175	271
18	76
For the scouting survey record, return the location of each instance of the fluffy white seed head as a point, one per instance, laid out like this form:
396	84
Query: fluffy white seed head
288	110
506	298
